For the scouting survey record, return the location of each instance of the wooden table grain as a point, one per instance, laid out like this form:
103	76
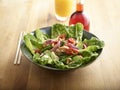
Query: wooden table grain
27	15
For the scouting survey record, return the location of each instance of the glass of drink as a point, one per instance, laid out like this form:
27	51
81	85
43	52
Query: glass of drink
63	9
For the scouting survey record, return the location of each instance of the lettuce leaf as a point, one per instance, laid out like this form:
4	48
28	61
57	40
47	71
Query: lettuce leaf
40	36
76	31
94	42
45	58
34	42
29	44
58	29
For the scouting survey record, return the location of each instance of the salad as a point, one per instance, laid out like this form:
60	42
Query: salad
64	48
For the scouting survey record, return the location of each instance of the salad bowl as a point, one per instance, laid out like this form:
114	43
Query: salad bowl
47	30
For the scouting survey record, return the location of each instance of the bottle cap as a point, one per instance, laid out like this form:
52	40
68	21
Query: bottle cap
79	5
80	1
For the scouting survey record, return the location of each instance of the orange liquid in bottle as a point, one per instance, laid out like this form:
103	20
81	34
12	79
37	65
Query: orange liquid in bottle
79	16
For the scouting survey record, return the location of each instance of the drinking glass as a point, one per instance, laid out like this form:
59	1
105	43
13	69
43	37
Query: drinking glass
63	9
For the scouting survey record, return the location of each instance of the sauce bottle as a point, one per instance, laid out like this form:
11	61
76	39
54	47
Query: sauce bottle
80	16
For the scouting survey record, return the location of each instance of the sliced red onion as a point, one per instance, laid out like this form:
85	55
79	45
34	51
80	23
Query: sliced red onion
56	46
84	46
49	41
71	46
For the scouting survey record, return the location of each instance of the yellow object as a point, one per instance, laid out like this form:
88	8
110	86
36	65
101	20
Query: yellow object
64	8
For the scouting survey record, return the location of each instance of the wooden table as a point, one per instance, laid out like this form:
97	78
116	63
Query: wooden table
27	15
